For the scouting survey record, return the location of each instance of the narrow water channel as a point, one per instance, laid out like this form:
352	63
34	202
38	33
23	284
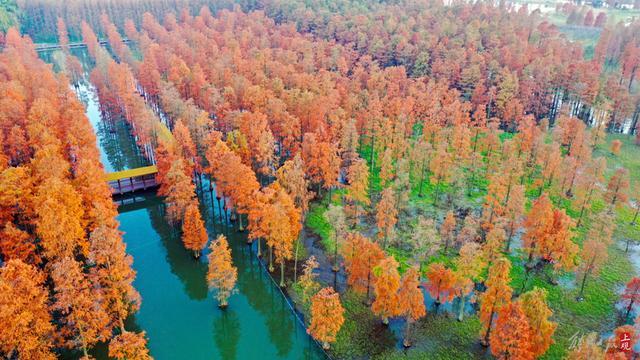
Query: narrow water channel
178	313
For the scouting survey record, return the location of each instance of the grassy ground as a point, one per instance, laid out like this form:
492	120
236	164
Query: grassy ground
439	336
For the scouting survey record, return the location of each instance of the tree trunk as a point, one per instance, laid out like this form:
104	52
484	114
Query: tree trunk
626	316
282	274
406	342
271	268
437	194
634	122
511	230
223	304
446	245
485	342
373	143
335	253
219	208
421	180
584	281
461	309
259	248
240	226
584	204
369	283
295	262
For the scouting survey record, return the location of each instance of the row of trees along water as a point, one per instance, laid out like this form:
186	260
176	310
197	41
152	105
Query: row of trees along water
65	280
270	114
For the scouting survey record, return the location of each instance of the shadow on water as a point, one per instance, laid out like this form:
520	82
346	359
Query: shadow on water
191	272
226	333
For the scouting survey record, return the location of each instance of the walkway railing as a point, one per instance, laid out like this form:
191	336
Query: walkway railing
126	181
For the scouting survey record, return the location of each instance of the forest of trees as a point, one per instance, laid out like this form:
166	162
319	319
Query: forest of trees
457	153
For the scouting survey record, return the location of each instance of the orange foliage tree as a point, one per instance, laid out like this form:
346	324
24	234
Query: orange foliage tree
469	265
593	255
513	212
180	191
321	161
425	240
441	283
386	216
291	177
631	295
84	317
548	236
221	275
588	186
497	295
233	178
615	147
129	346
494	244
27	329
440	167
360	256
59	223
282	222
511	338
617	188
385	288
115	276
534	305
194	234
358	189
448	230
327	316
410	301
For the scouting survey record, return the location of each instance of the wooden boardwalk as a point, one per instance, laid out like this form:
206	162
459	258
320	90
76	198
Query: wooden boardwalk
132	180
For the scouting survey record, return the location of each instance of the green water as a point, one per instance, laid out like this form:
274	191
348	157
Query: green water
181	316
178	313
